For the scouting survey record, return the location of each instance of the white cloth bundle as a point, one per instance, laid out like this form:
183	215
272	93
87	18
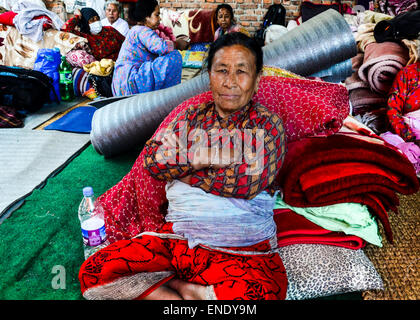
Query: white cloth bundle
33	29
213	220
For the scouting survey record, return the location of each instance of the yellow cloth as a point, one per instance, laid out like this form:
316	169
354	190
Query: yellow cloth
374	17
101	68
274	71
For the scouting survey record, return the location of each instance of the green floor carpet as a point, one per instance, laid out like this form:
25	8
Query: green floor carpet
41	241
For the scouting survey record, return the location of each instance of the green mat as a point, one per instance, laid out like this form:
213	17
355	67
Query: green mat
41	243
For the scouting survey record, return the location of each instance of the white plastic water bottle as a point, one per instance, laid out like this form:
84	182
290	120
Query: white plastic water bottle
91	216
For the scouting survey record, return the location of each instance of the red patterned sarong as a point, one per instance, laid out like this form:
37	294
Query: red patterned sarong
132	269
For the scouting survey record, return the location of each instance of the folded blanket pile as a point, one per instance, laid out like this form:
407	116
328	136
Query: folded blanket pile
293	228
375	68
369	85
346	167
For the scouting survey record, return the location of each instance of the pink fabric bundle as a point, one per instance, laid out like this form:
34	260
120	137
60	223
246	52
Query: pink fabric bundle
381	63
410	149
165	33
362	98
78	58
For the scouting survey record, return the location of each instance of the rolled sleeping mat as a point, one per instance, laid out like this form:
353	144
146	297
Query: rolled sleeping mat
315	45
336	73
128	122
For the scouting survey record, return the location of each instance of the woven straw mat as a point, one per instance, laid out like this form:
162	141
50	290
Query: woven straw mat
398	263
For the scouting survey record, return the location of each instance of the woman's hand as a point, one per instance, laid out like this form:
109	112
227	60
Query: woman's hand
216	159
203	157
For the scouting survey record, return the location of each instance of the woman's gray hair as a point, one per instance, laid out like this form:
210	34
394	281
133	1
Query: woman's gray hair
115	3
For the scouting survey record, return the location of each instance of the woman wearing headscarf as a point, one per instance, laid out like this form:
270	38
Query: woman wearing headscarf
147	61
104	42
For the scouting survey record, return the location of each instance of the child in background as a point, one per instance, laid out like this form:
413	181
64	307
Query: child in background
226	21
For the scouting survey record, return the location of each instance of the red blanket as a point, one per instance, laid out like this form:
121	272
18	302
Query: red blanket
320	171
138	202
292	228
200	26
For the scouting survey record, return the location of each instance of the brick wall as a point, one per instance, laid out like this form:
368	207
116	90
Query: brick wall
249	13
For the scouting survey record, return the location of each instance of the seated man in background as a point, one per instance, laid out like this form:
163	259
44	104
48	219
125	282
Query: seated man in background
112	13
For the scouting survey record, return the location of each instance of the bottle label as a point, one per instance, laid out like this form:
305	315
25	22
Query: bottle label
66	77
93	232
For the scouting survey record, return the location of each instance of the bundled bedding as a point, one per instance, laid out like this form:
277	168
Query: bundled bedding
293	228
347	167
381	63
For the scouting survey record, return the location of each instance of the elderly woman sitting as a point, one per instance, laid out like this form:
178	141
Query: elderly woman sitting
220	160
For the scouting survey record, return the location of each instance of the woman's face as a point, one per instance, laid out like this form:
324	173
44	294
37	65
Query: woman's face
112	13
154	20
224	18
233	78
93	19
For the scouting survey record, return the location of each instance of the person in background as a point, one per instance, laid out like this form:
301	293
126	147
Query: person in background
97	5
112	12
226	21
403	99
147	61
104	42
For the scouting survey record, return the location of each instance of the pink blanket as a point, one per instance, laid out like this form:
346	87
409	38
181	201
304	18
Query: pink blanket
381	63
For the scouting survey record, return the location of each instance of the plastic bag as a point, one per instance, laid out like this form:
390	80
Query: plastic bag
48	62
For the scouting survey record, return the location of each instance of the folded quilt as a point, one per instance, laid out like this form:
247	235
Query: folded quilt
381	63
293	228
346	167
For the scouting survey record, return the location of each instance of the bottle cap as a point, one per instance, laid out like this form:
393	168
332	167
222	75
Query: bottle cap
87	191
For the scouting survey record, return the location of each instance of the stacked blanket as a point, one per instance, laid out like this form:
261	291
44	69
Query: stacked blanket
375	70
293	228
375	67
347	167
381	63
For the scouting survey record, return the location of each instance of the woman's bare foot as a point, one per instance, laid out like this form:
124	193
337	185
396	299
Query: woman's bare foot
163	293
188	290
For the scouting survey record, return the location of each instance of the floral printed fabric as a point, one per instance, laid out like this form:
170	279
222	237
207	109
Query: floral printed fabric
247	273
78	58
146	63
404	98
105	45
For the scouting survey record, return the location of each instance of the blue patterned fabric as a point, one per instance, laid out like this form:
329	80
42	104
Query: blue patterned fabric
145	63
